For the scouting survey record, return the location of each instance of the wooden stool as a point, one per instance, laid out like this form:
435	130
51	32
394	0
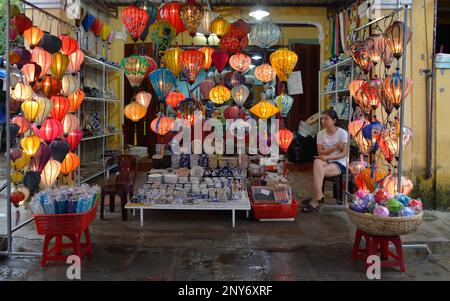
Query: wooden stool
375	244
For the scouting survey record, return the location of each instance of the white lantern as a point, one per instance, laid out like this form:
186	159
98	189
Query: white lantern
240	94
265	34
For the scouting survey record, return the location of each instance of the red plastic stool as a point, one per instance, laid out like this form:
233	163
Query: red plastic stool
80	249
375	244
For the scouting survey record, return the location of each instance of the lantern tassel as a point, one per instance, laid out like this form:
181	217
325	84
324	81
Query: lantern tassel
135	135
145	127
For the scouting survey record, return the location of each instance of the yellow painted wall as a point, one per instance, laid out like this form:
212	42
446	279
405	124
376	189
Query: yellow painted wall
442	132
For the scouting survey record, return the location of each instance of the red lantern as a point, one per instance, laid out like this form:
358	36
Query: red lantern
135	20
234	112
97	26
284	138
74	139
22	23
152	66
17	197
240	29
232	44
192	62
60	107
240	62
49	130
69	45
170	12
220	59
370	92
174	99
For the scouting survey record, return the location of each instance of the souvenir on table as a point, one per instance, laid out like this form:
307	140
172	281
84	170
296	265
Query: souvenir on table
394	206
381	211
406	212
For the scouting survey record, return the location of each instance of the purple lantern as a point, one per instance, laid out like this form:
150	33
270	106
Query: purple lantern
40	159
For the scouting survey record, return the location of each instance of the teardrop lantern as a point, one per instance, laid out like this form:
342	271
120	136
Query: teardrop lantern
75	61
50	86
135	69
135	20
74	139
161	125
284	62
208	52
31	72
172	60
30	144
240	94
284	103
135	111
395	36
69	45
220	27
22	122
170	12
70	123
174	99
162	33
50	130
206	86
393	86
22	92
192	14
60	107
240	28
59	65
144	98
45	106
68	85
220	59
30	108
42	58
71	163
50	173
75	99
265	34
33	35
162	81
50	43
284	138
205	24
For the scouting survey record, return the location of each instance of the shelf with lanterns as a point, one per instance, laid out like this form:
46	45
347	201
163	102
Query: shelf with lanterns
88	98
93	62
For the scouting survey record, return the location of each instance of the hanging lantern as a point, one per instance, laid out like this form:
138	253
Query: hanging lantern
370	92
161	125
70	123
390	184
135	20
22	92
234	112
69	45
31	72
354	86
362	58
284	62
30	144
192	62
15	153
395	36
16	177
162	81
60	107
220	27
74	138
21	162
372	133
24	54
240	62
75	61
219	94
135	69
371	47
152	12
152	66
192	14
233	78
240	94
363	144
59	149
265	34
45	106
71	163
22	23
87	21
30	108
106	29
264	109
50	130
174	99
388	56
42	58
50	86
208	52
205	24
190	109
97	26
75	99
144	98
59	65
354	127
162	33
50	173
14	58
357	167
68	85
232	44
50	43
363	101
170	12
240	29
205	87
385	100
373	177
265	73
220	59
284	138
135	111
32	180
22	122
172	60
391	141
284	103
393	88
33	35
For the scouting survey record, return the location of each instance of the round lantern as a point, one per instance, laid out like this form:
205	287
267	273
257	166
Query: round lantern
70	123
135	20
208	52
59	65
192	62
174	99
75	61
284	62
393	85
60	107
22	92
30	144
70	163
172	60
50	130
220	27
33	35
206	86
50	43
192	14
59	149
30	108
22	23
69	45
265	73
45	106
74	138
284	138
162	33
265	34
264	109
162	81
232	44
240	28
68	85
170	12
240	62
144	98
390	184
75	99
395	36
50	86
135	111
240	94
371	47
234	112
354	86
219	94
284	103
152	65
220	59
50	172
161	125
31	72
42	58
22	122
205	24
135	67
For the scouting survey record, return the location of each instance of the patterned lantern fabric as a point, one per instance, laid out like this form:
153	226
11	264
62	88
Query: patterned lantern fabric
135	67
172	60
283	61
161	34
393	86
161	125
265	34
232	44
265	73
220	27
170	12
219	94
284	138
135	19
152	65
240	29
192	61
240	62
284	103
192	14
162	81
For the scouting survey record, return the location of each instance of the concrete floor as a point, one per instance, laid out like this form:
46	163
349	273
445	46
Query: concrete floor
181	245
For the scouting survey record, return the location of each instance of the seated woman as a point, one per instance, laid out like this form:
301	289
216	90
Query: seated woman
332	159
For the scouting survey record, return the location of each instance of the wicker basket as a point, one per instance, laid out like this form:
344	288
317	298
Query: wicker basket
385	226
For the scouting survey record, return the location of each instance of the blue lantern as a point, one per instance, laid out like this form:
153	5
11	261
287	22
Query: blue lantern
284	103
163	81
372	132
152	12
87	21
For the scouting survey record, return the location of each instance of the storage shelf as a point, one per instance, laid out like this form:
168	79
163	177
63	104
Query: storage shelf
93	62
88	98
101	136
344	63
335	91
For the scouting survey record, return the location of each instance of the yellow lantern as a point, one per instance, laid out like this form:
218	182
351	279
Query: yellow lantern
219	94
45	106
30	108
264	109
207	51
144	98
20	163
59	65
33	35
30	144
106	29
172	60
21	92
70	163
16	177
68	85
50	172
135	111
220	27
283	61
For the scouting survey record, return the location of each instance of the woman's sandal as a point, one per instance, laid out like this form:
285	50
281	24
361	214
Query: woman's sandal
311	209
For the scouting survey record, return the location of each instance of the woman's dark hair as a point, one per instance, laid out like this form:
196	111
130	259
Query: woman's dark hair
332	114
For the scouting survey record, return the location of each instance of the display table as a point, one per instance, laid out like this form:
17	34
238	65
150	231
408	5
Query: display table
242	204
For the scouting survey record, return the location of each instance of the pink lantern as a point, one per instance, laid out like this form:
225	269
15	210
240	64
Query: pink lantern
240	62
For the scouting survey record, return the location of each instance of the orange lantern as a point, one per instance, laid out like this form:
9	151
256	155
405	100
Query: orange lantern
283	61
70	123
192	62
33	35
50	86
354	86
69	45
144	98
174	98
390	184
220	27
135	111
30	108
395	36
393	86
31	71
60	107
170	12
70	163
161	125
354	127
284	138
240	62
22	92
50	172
373	178
265	73
264	109
371	47
30	144
219	94
75	61
42	58
207	51
75	99
59	65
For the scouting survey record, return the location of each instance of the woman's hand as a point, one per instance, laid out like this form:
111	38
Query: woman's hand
322	157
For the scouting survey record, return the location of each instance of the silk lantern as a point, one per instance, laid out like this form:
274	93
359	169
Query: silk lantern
152	12
370	46
234	112
240	62
135	111
192	62
265	34
233	78
370	92
135	67
172	60
75	99
22	23
74	138
106	29
191	13
22	122
393	85
391	142
240	28
17	197
284	62
22	92
240	94
68	45
75	61
32	180
219	59
71	163
206	86
87	21
175	98
42	58
205	24
208	52
31	72
219	94
284	103
33	35
390	184
190	109
362	58
97	26
355	126
50	173
21	162
45	106
59	65
372	133
265	73
385	100
50	43
30	108
50	86
162	33
60	107
144	98
24	54
232	44
264	109
68	85
16	177
59	149
395	36
15	153
170	12
30	144
161	125
162	81
354	86
220	27
135	19
284	138
70	123
50	130
152	65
